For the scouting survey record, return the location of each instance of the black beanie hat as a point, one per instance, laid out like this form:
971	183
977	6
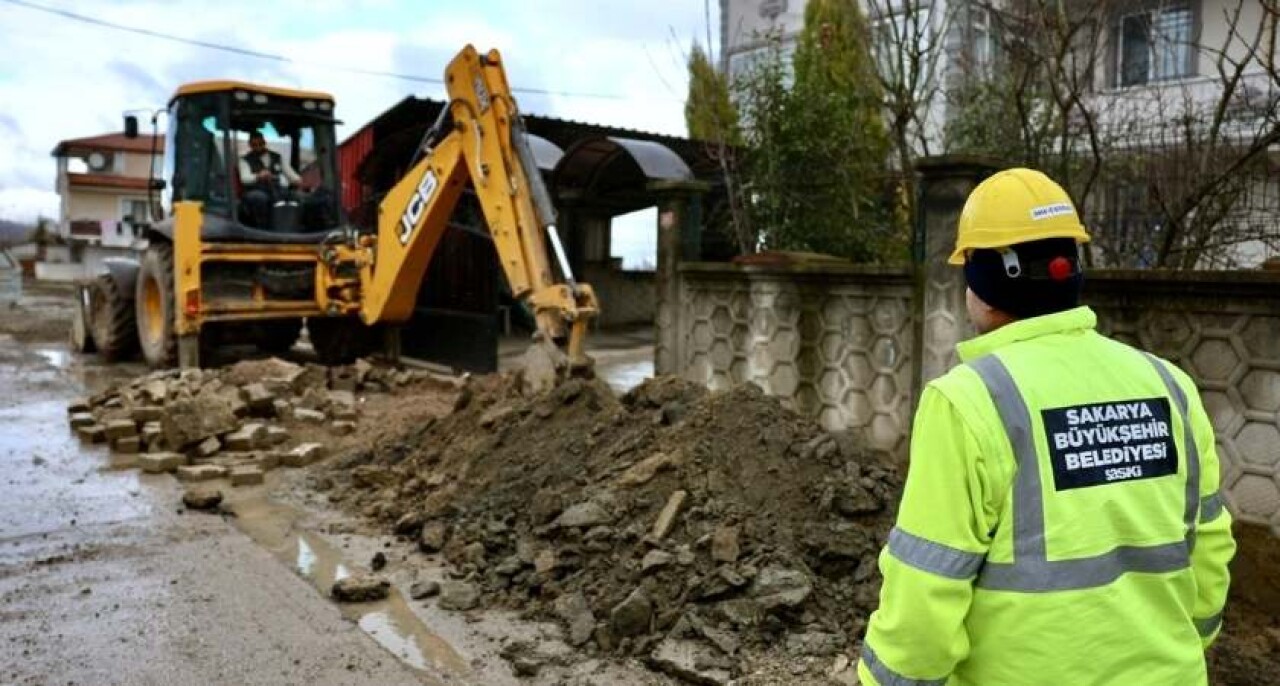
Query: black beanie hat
1029	279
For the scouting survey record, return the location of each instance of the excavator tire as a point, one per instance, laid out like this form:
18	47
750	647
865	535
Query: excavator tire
155	304
80	338
277	336
111	324
340	340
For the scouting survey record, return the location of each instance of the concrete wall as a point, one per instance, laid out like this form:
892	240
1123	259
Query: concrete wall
139	164
1216	33
96	205
61	272
91	262
1223	328
851	346
626	297
834	341
838	344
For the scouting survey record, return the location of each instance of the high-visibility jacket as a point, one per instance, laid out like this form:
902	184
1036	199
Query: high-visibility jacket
1060	524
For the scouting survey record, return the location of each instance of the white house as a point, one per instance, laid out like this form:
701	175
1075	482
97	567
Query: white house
102	182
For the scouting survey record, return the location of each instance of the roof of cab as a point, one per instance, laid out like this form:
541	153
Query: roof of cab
224	85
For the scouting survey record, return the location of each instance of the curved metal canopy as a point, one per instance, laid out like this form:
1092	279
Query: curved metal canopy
545	153
615	173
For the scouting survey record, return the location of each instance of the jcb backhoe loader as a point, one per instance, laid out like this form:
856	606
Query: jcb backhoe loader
254	243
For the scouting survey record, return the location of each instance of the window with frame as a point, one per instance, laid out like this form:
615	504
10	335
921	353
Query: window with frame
134	211
201	172
982	42
1154	45
891	37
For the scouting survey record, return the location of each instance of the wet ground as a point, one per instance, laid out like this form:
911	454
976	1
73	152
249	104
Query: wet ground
623	358
105	579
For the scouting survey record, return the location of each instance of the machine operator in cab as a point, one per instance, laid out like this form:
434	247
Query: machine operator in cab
261	172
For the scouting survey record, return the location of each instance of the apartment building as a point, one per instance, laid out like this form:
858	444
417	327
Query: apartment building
1153	75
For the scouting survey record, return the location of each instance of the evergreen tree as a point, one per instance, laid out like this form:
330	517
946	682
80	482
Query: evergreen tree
802	141
836	170
708	113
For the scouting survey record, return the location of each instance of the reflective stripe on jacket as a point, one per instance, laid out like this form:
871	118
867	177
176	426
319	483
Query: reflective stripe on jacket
1060	523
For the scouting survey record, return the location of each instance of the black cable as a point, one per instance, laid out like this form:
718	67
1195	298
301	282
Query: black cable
283	59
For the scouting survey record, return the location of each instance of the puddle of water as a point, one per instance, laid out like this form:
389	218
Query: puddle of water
624	377
390	622
56	357
384	629
623	368
54	477
397	629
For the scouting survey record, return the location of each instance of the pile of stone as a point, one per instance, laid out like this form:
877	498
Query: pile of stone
235	423
685	528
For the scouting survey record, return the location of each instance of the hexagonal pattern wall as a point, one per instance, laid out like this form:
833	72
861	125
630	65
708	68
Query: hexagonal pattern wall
835	343
1221	328
1224	330
838	344
944	320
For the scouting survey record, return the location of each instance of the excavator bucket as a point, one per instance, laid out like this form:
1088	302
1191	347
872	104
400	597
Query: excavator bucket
544	366
580	364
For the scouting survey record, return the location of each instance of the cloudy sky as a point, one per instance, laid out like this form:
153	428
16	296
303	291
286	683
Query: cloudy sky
61	78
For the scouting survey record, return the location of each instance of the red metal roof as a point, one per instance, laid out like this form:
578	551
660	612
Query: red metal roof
350	154
107	181
109	141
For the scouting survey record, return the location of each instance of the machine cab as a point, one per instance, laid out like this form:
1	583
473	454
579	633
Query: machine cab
261	159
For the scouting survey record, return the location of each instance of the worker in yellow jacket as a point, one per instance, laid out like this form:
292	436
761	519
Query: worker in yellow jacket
1061	523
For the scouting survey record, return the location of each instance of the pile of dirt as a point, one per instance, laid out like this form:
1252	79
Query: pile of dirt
1248	650
673	524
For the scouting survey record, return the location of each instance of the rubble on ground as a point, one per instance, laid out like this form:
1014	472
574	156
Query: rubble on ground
360	588
420	590
673	524
689	529
202	498
238	422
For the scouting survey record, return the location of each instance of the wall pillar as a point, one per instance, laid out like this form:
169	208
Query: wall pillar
941	319
679	224
666	344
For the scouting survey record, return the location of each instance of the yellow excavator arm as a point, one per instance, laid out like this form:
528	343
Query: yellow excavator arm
486	148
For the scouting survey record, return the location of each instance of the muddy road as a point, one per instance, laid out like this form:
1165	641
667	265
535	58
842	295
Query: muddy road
106	579
103	580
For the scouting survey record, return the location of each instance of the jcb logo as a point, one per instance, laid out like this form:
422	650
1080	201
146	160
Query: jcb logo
417	205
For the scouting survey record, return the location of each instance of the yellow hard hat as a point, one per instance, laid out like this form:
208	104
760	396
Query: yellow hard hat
1016	206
